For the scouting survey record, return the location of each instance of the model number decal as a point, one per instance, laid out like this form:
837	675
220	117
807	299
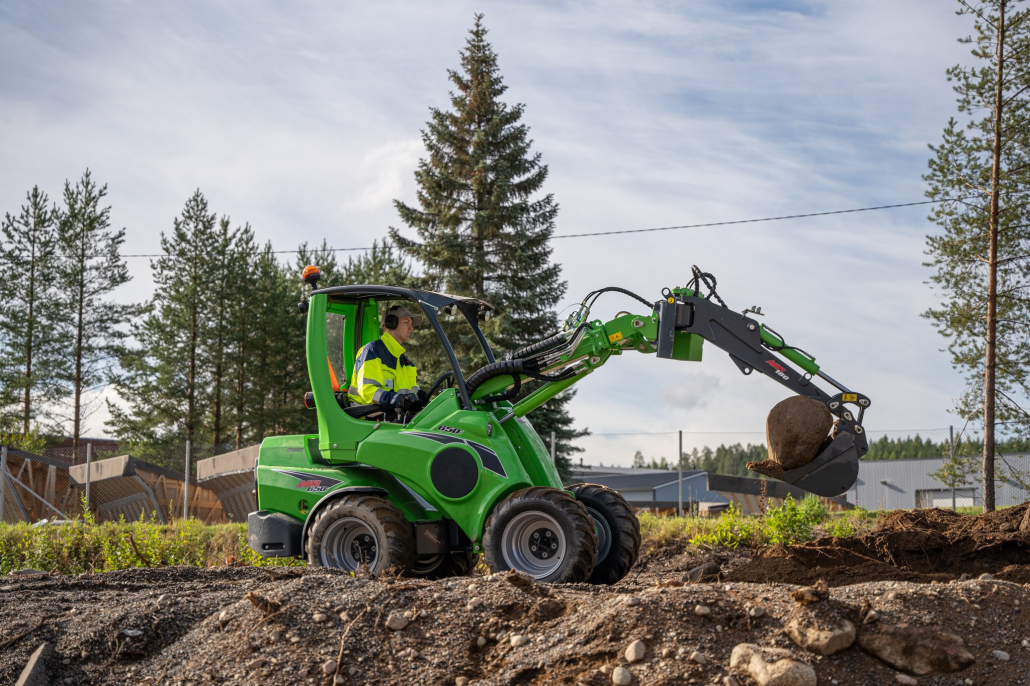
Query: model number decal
450	429
778	368
307	481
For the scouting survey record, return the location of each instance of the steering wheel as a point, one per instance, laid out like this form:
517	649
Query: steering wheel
438	383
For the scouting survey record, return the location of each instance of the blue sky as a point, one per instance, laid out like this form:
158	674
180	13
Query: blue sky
303	119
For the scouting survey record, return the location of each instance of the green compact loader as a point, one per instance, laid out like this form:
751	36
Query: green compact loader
465	474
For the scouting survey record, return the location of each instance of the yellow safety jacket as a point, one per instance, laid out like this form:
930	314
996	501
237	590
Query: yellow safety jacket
381	372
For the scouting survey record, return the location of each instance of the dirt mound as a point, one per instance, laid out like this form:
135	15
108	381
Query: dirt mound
189	626
912	545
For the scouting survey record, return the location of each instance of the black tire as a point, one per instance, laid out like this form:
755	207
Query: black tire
618	532
522	521
444	565
361	531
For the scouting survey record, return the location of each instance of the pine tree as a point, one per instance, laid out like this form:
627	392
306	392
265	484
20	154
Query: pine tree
222	296
483	231
88	270
29	315
163	380
979	173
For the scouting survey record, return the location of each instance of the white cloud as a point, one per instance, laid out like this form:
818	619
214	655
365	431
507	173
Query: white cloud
304	119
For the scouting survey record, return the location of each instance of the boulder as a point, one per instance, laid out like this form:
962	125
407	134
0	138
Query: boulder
916	650
819	628
771	666
794	431
707	572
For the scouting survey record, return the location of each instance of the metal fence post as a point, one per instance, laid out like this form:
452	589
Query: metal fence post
89	467
951	439
3	479
679	462
554	454
186	483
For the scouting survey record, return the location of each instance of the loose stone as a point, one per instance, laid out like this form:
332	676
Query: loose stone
635	651
621	676
702	610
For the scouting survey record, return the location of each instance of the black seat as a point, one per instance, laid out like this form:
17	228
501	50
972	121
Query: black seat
359	411
356	411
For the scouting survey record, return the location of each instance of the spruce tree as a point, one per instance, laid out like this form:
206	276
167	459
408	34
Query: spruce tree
222	296
980	259
30	314
163	381
483	229
89	268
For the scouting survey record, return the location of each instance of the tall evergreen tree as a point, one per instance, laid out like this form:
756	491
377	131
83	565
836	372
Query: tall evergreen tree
979	172
222	296
163	381
89	268
29	314
482	229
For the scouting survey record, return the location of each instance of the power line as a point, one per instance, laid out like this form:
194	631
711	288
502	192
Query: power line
666	228
751	221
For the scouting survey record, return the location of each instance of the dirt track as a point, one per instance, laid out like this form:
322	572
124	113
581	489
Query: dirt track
115	628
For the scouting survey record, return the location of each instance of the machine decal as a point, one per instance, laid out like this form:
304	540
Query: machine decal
617	336
487	456
849	397
312	483
450	429
779	369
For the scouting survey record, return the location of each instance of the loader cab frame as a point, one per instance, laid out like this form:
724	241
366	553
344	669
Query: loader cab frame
359	306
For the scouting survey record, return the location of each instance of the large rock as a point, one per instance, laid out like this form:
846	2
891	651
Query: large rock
771	666
707	572
819	628
795	429
916	650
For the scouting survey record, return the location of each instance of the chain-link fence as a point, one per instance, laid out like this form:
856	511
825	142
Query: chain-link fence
903	469
160	483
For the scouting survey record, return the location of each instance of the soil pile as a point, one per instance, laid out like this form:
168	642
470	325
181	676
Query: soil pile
907	545
248	626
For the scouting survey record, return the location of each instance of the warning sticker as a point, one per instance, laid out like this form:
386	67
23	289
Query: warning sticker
849	397
617	336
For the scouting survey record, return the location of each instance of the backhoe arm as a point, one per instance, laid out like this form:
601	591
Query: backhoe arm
676	328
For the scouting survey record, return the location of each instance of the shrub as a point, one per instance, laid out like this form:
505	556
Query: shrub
730	530
792	523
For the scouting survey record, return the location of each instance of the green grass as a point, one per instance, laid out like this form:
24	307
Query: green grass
85	547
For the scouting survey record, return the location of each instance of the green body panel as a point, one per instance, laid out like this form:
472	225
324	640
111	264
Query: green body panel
795	356
293	477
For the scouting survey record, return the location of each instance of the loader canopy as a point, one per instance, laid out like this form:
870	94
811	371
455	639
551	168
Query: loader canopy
352	319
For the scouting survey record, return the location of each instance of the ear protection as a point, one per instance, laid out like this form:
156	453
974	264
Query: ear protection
390	321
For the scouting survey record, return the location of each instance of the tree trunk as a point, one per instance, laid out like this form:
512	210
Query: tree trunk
990	350
26	412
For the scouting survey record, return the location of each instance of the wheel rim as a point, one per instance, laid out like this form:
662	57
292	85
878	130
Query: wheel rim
533	543
604	534
424	564
349	543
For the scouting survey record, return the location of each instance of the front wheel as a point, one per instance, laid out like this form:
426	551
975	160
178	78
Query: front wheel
359	531
618	532
543	532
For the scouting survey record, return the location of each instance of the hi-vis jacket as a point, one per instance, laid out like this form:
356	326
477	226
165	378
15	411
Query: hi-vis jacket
381	372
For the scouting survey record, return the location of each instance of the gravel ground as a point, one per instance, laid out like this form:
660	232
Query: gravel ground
195	626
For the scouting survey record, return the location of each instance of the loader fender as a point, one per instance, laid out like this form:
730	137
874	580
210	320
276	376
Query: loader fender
321	504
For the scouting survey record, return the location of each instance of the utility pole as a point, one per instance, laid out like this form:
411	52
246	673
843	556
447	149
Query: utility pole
186	483
554	453
679	462
89	465
951	439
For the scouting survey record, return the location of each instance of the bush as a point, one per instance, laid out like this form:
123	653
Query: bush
731	530
791	523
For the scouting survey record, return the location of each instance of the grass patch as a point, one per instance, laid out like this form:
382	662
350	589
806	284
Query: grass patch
82	547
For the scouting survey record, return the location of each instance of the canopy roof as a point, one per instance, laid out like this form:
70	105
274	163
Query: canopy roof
360	293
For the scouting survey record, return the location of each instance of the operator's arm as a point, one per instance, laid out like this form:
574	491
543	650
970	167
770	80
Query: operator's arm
368	384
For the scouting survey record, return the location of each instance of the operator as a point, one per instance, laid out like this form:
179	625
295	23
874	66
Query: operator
383	374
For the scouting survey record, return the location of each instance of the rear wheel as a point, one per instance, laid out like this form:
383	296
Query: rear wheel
618	532
357	532
543	532
444	565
